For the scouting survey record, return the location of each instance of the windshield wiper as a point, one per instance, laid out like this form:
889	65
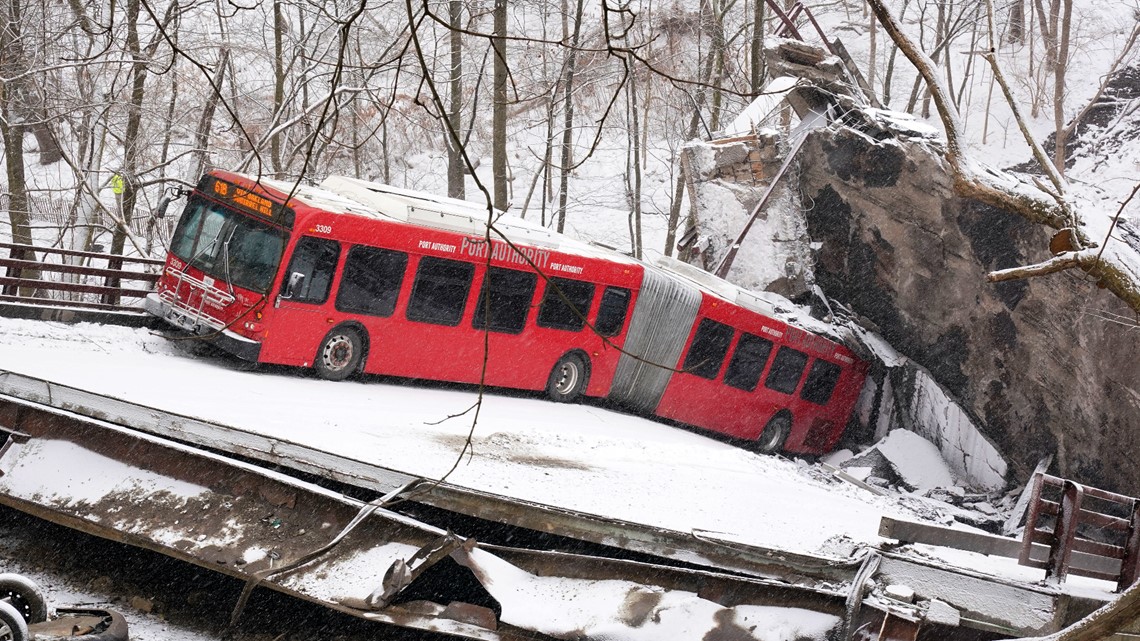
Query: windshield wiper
226	260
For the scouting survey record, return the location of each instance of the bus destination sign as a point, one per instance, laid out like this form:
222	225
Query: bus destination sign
247	201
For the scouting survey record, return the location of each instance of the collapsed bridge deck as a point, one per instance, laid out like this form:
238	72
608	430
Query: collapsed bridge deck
579	471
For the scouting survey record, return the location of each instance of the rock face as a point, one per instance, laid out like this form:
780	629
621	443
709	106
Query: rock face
1045	365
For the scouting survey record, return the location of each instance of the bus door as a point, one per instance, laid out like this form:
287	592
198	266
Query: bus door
302	316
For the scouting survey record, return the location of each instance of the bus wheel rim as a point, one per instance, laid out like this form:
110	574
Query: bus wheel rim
772	435
338	353
567	378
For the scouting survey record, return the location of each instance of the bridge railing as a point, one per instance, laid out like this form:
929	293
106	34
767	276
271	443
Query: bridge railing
91	280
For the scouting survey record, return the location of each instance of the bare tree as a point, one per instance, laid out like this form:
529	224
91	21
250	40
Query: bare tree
1046	207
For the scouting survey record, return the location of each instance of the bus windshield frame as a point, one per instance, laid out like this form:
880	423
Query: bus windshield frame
229	245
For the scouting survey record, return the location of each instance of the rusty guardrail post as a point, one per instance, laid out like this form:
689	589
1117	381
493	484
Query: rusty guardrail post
1064	532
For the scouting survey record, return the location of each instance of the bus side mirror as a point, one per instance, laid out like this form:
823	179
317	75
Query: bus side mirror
296	279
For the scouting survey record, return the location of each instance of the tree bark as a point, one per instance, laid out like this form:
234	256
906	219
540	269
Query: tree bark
278	86
11	63
758	71
568	117
455	169
1061	138
499	114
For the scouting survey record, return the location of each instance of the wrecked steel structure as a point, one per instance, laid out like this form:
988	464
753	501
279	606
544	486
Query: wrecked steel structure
291	518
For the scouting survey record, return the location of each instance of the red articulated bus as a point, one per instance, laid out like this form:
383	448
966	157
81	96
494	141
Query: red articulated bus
354	277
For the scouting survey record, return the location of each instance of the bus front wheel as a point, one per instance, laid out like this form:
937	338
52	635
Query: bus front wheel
339	355
568	379
771	440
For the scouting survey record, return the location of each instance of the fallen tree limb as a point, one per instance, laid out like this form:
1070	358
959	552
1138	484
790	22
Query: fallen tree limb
1068	260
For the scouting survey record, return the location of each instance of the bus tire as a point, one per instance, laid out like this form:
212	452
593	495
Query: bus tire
340	354
12	624
568	379
775	433
25	596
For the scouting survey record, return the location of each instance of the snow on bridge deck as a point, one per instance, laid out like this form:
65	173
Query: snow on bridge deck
577	458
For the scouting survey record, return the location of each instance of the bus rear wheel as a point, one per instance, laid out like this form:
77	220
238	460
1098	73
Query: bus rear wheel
340	354
775	433
568	379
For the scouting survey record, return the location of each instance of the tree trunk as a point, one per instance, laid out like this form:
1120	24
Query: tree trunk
11	63
634	170
278	87
568	117
758	70
1016	31
679	189
455	168
1062	134
717	52
499	114
202	136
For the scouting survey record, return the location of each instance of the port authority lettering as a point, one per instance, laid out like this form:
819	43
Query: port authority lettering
502	252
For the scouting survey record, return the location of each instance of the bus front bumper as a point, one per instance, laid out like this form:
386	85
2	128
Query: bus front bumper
189	321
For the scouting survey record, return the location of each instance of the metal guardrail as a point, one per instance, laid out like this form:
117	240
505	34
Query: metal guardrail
1077	512
23	282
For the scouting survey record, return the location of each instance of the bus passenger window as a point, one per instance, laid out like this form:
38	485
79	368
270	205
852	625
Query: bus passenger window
510	292
710	345
612	311
820	383
555	313
371	281
747	362
786	370
440	291
315	259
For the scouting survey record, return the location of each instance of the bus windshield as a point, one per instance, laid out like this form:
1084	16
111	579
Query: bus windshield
228	245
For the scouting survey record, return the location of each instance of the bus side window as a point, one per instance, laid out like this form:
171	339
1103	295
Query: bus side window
820	383
786	370
555	313
440	291
510	292
710	346
612	311
748	362
371	281
315	259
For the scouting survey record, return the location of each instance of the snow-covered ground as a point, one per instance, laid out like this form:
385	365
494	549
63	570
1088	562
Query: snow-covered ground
577	457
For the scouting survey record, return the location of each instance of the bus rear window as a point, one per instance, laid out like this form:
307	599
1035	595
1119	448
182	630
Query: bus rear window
820	383
786	370
710	345
747	362
440	291
510	292
612	311
565	304
371	281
